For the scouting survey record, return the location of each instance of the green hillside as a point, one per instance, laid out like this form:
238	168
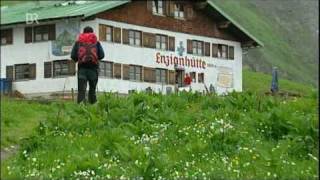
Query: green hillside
289	31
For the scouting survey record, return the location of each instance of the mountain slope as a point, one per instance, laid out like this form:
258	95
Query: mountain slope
289	30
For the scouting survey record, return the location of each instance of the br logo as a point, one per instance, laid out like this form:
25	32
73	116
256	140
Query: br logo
180	49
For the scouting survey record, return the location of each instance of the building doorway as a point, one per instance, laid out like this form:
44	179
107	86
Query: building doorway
179	77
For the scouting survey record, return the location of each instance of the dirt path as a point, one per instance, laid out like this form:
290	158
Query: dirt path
9	151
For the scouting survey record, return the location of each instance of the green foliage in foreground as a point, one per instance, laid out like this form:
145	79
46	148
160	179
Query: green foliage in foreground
19	119
238	136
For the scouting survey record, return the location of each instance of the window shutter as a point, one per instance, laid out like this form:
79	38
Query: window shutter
28	34
117	70
172	44
146	39
152	40
125	36
207	49
149	74
153	75
231	52
227	51
52	32
149	5
171	77
189	13
72	67
47	69
117	35
149	40
146	74
170	8
189	46
8	34
32	71
215	50
9	73
102	32
125	68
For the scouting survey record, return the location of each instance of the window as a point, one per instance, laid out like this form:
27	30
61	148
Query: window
135	73
106	69
109	34
63	68
6	36
149	74
197	48
222	51
25	71
135	38
117	70
201	77
157	7
193	76
178	11
161	42
161	76
40	33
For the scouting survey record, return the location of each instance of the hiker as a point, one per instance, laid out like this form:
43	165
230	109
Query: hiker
187	80
87	51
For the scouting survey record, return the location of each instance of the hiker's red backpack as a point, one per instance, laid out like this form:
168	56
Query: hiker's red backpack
87	53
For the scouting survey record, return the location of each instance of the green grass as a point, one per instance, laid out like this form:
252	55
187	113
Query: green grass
238	136
18	119
261	83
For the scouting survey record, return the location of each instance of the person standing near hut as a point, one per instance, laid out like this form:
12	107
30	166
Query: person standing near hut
187	81
87	51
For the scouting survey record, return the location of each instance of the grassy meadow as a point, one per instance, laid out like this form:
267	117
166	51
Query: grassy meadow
180	136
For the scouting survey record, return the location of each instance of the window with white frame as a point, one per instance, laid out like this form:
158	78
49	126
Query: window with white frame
161	41
178	11
197	48
135	73
157	7
109	33
106	69
60	68
22	71
134	37
161	76
222	51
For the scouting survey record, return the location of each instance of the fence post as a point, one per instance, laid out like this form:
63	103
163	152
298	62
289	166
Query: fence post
72	94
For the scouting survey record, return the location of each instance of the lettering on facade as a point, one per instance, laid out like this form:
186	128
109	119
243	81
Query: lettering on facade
181	61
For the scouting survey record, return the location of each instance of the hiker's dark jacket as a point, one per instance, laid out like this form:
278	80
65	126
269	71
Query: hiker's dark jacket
87	38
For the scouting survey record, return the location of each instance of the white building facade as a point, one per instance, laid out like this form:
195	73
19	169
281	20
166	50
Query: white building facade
131	62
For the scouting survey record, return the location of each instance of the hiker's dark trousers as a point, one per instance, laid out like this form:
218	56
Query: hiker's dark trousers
86	75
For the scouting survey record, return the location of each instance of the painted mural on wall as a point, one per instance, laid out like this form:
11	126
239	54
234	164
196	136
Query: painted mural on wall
66	34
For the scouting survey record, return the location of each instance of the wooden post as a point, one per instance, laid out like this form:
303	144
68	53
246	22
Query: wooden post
72	94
